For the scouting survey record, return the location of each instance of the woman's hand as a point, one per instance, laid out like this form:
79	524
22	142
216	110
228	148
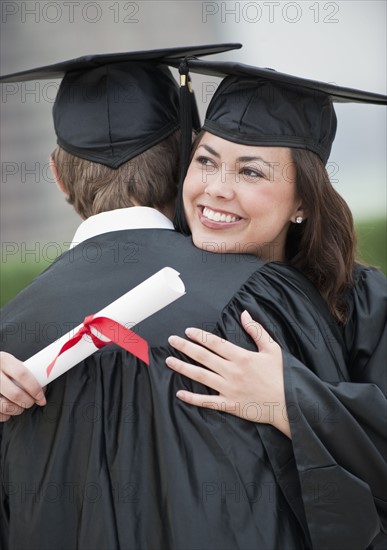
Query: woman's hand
19	389
250	384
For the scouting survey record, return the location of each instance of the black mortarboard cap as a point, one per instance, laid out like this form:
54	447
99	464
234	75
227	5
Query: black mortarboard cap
112	107
257	106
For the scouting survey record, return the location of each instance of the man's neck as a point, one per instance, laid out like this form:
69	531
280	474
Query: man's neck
168	211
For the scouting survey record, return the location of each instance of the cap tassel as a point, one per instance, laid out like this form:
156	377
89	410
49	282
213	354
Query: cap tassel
185	119
186	115
196	122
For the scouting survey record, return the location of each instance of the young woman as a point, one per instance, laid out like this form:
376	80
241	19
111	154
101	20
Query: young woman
257	183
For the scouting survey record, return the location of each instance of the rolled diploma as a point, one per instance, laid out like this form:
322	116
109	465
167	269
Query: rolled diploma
147	298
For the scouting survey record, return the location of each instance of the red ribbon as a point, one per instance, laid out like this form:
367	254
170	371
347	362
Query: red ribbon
116	333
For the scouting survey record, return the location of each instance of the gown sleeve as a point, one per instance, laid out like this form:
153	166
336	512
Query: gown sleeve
336	405
365	332
338	439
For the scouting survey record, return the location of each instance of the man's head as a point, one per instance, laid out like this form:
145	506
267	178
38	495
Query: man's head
149	179
118	140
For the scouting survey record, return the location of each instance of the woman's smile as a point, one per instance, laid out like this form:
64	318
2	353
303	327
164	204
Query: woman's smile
217	219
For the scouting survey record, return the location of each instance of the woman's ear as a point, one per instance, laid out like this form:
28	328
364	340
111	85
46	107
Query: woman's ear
55	173
300	215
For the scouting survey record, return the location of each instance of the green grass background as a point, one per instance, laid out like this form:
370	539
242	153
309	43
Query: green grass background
371	246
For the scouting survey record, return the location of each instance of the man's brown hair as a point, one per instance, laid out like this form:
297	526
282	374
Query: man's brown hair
150	179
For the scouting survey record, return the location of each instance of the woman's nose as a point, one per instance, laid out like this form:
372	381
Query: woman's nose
221	184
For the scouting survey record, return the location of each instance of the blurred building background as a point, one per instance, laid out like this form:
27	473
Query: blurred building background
343	42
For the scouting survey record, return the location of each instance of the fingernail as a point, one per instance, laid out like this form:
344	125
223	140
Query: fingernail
170	361
40	396
189	331
247	314
173	340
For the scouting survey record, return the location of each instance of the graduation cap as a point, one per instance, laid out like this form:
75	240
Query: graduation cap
112	107
263	107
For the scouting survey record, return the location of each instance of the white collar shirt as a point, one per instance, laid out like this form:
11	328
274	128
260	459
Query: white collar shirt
135	217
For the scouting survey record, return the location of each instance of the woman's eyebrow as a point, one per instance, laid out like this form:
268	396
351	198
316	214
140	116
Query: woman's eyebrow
240	159
210	150
249	159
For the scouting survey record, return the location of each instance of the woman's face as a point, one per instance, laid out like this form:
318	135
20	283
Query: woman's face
240	198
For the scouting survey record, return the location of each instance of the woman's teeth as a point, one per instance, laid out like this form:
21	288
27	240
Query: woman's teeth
218	217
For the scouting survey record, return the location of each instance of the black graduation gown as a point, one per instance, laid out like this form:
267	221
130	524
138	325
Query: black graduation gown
337	409
116	461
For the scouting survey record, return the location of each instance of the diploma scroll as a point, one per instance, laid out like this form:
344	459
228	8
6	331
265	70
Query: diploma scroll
141	302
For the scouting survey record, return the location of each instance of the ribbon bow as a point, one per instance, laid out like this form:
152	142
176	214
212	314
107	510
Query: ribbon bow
115	332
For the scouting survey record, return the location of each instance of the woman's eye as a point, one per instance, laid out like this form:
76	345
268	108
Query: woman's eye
205	161
251	173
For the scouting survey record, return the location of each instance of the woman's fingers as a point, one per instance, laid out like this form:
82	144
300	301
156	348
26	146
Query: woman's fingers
198	353
215	402
221	347
214	343
198	374
261	337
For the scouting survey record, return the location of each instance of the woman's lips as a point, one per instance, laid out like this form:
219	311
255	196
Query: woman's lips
217	219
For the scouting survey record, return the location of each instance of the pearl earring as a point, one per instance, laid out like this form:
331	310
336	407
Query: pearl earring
299	219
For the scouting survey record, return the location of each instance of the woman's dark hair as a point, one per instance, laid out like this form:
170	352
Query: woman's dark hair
323	247
179	219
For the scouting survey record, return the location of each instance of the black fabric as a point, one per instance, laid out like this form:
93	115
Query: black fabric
337	407
230	68
113	113
112	107
259	112
87	62
263	107
114	460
